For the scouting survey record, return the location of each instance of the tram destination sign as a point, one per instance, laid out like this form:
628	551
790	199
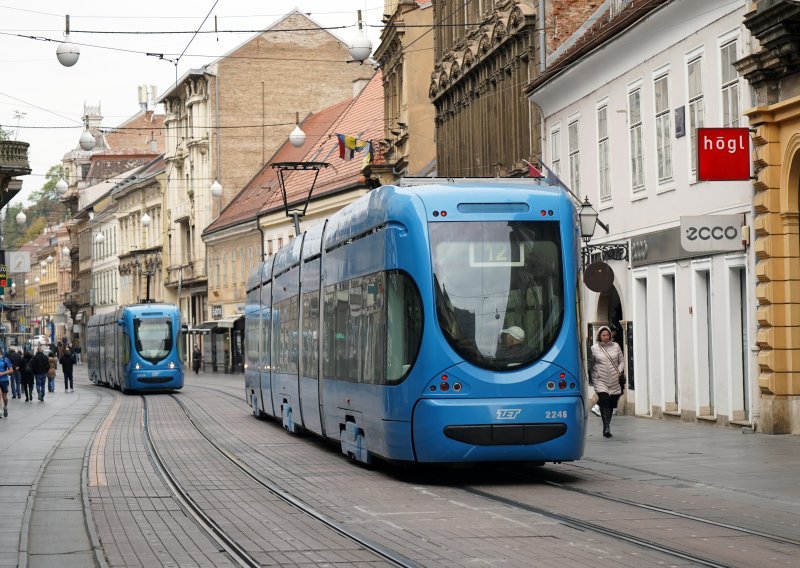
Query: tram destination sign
711	233
723	154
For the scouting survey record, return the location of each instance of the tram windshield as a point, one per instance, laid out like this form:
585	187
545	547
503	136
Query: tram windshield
499	289
152	338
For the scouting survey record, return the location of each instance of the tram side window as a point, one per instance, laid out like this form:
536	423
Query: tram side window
310	357
354	345
403	326
124	347
285	334
266	326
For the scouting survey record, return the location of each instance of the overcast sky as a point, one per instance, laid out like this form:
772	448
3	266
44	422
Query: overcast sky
111	66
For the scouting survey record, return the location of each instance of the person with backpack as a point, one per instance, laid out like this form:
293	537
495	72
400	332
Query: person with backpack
27	375
67	361
6	370
41	366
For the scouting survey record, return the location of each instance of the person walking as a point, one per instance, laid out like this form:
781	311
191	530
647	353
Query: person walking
6	370
27	375
607	371
77	352
41	366
197	357
51	373
67	361
16	359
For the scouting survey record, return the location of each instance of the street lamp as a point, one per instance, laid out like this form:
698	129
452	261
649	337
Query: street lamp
65	250
99	238
49	259
589	219
61	186
360	46
145	220
216	189
36	280
297	138
21	218
67	52
43	263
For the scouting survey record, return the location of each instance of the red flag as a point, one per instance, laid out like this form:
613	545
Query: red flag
534	172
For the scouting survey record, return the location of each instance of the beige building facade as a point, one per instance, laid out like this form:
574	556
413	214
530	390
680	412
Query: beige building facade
775	78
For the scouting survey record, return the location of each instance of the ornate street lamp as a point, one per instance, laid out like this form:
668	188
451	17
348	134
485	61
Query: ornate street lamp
589	219
145	220
216	189
21	218
62	186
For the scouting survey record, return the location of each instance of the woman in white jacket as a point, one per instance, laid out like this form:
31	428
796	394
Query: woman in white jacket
608	366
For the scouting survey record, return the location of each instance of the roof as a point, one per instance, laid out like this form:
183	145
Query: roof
587	39
361	117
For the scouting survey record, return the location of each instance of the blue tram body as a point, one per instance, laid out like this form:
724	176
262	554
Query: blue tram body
137	348
427	323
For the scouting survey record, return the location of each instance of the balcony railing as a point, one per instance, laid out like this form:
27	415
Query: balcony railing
182	211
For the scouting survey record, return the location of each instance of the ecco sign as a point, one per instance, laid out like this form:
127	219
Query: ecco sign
723	154
711	233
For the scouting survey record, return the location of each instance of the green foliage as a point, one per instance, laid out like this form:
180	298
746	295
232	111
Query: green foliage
43	209
5	134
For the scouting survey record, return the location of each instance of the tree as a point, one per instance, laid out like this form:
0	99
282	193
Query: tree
44	209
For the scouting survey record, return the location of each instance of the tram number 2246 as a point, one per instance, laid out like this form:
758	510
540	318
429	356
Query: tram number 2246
555	414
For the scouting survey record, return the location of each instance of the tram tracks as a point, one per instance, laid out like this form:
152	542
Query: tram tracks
648	543
699	551
229	542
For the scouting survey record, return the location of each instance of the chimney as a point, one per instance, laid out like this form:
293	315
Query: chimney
358	86
143	98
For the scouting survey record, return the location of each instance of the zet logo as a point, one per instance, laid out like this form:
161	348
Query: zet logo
508	413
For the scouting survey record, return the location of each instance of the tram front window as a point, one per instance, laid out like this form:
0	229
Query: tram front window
152	338
499	289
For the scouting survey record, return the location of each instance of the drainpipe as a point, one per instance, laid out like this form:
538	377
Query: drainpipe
542	37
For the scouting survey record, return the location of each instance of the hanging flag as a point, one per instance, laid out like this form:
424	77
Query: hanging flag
349	145
534	172
368	155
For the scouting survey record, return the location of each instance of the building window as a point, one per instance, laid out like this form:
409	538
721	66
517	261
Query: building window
694	71
555	151
635	133
730	86
603	153
574	157
663	129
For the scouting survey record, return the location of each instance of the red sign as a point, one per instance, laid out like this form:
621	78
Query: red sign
723	154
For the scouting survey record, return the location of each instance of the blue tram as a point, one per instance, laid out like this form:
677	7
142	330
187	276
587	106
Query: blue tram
427	323
137	348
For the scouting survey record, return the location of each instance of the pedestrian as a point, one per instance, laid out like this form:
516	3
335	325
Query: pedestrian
607	371
40	365
51	373
16	359
614	337
67	361
196	358
6	370
77	352
27	375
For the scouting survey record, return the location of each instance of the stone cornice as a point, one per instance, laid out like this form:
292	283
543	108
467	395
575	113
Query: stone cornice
776	25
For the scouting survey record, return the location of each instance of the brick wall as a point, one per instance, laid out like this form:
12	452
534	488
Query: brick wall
564	17
268	80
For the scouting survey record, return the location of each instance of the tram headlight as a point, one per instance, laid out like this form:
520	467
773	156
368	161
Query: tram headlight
171	364
137	366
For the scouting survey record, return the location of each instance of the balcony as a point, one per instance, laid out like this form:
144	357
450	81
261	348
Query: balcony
13	162
182	212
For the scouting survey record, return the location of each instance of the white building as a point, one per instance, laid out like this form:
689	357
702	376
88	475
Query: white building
620	102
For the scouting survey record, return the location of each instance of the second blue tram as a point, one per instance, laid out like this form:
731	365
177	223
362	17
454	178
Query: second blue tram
427	323
137	348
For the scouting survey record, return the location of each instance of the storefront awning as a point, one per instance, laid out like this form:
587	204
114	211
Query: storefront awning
224	323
